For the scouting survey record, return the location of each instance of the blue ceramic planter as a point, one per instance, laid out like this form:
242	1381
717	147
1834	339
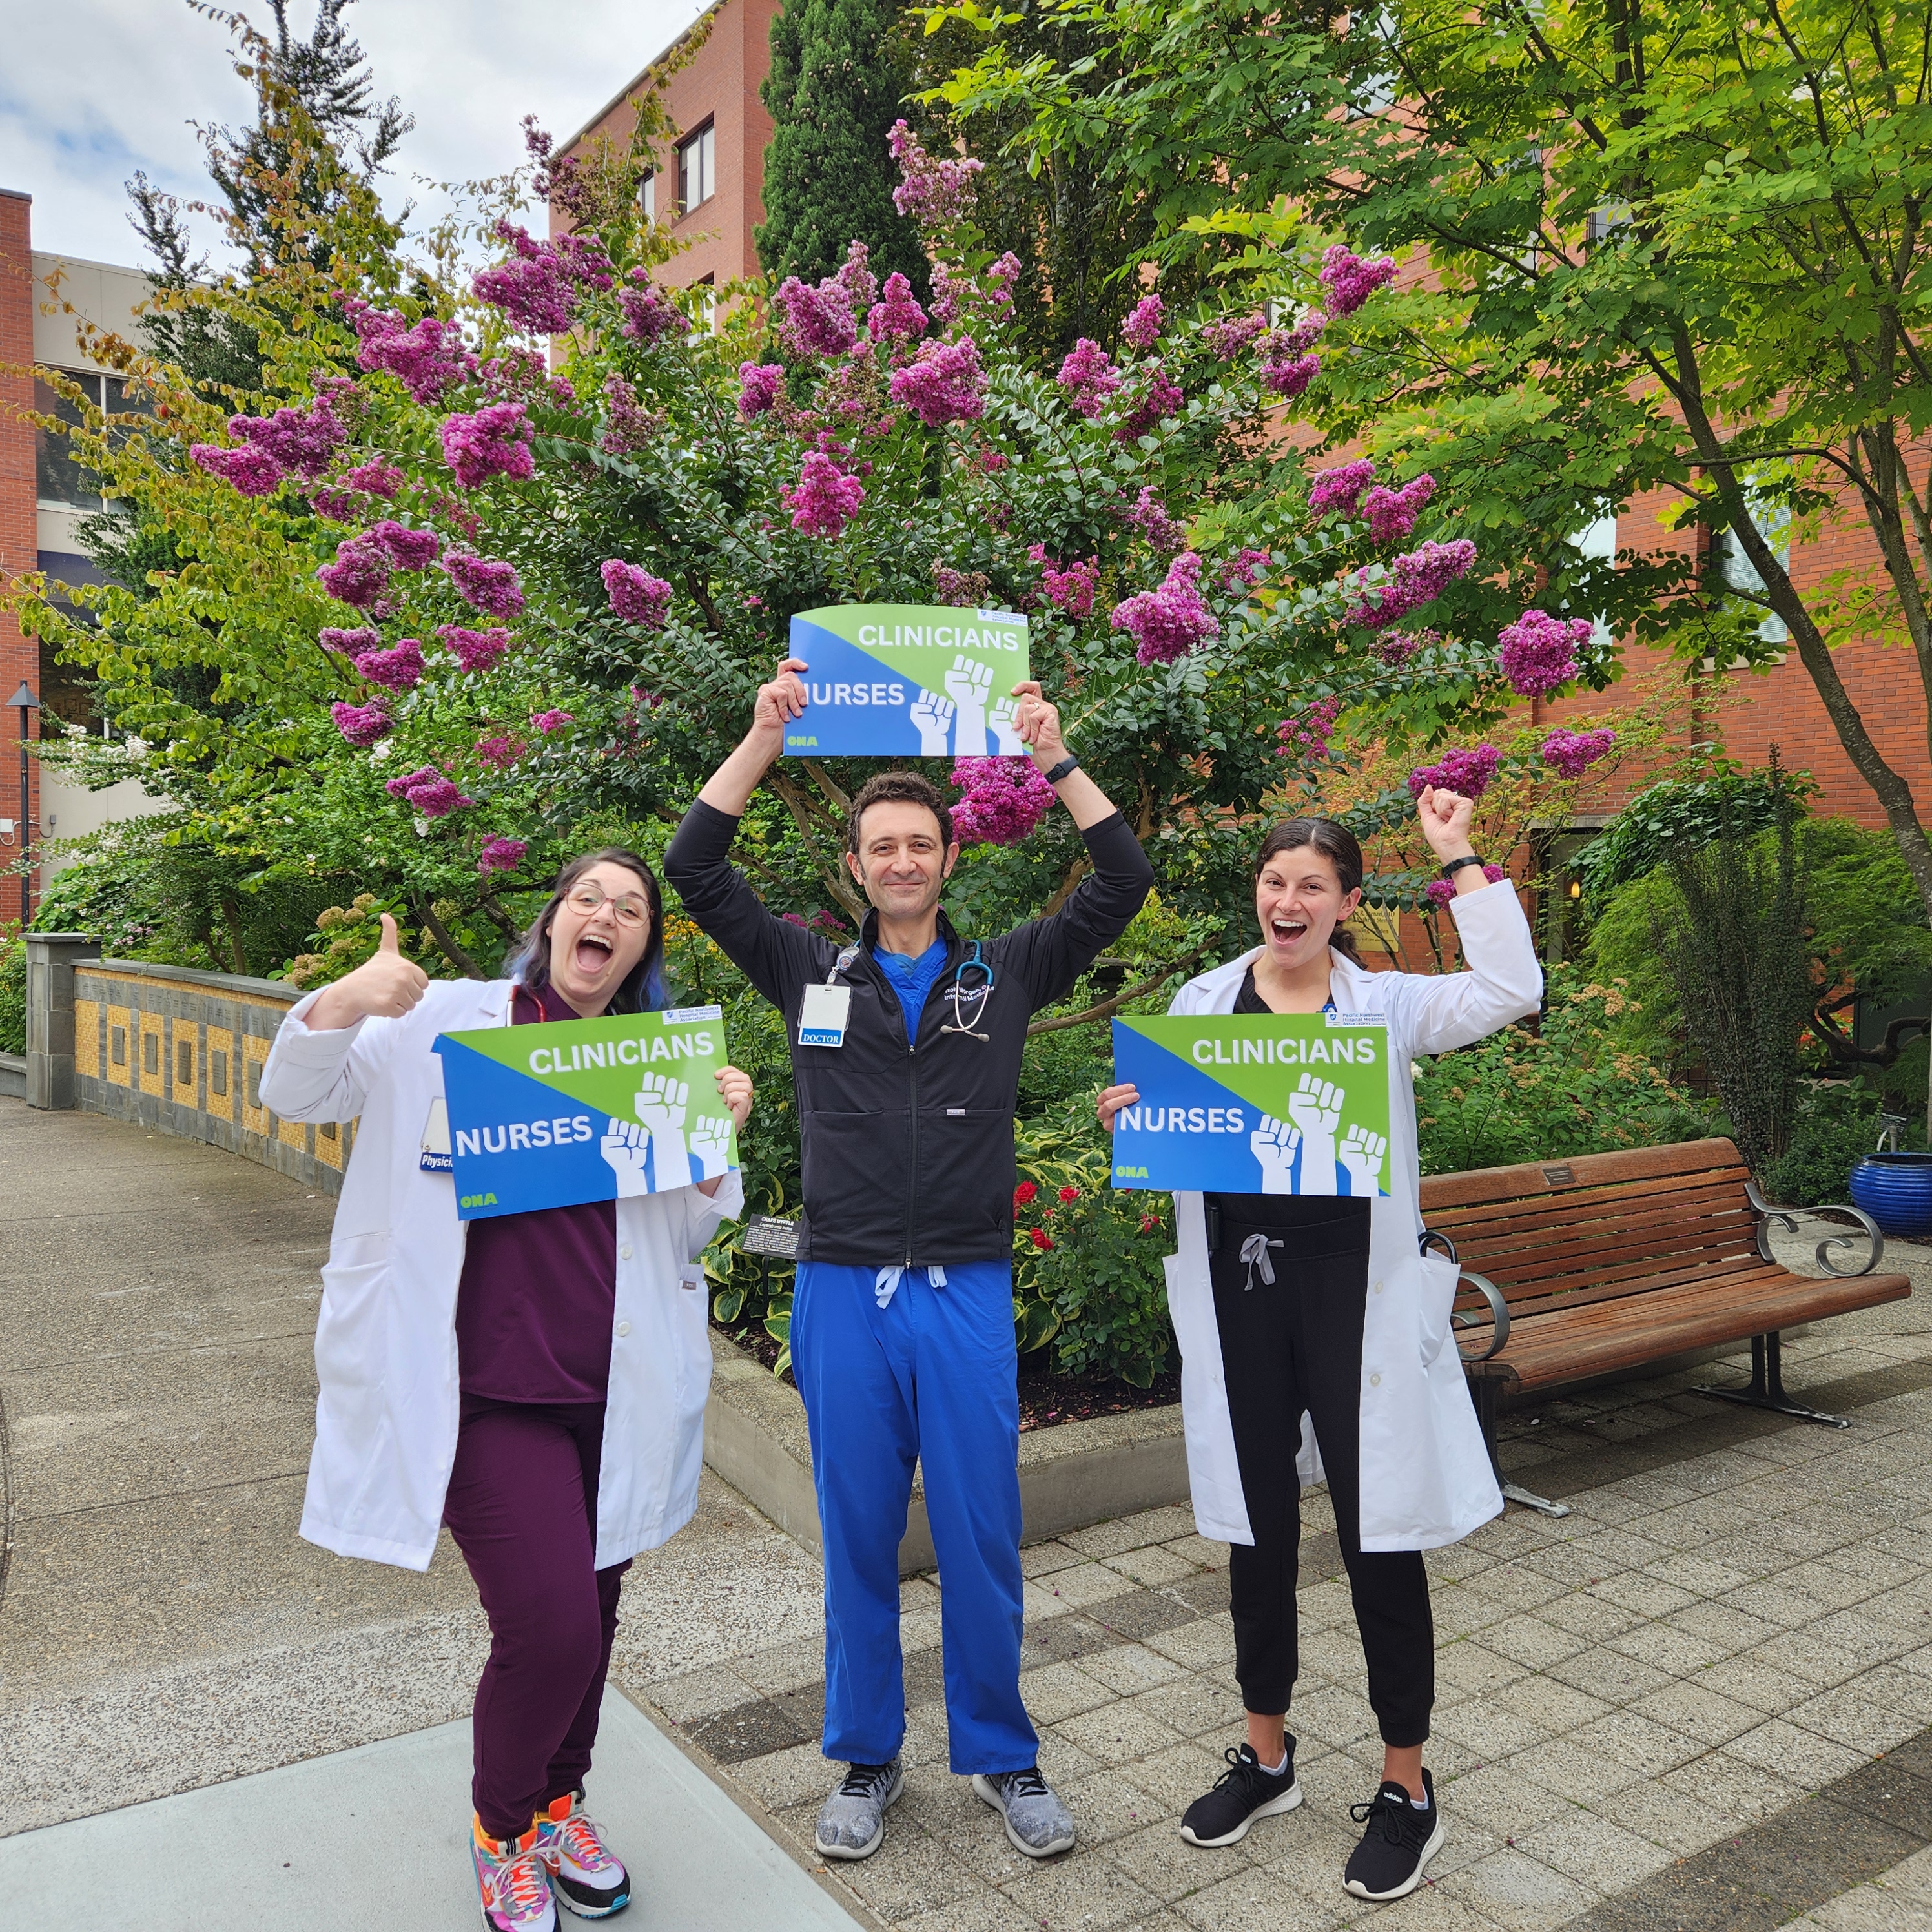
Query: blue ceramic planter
1895	1190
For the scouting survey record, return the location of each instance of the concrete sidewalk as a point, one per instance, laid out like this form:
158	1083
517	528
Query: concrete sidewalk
365	1839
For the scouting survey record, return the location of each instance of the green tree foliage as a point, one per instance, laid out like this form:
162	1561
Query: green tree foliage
1678	246
836	86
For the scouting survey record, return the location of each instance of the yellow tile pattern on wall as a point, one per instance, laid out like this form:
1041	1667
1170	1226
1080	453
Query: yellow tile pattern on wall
219	1040
251	1056
120	1035
87	1038
154	1081
291	1133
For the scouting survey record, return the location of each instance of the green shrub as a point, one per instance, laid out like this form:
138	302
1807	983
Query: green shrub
1836	1126
1573	1087
12	991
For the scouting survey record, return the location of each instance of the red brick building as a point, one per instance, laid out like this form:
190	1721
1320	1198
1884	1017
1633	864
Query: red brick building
708	190
20	655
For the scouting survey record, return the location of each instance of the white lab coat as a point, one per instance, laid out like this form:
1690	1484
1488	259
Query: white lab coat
386	1416
1425	1476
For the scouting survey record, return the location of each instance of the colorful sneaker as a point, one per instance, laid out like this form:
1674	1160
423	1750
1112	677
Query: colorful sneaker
589	1879
512	1882
1395	1849
1037	1823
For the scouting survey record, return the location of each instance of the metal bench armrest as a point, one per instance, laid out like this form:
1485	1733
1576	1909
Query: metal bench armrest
1788	1218
1499	1315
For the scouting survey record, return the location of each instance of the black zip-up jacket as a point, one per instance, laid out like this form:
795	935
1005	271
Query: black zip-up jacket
908	1148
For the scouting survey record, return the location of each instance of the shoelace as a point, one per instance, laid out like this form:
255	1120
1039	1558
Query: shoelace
865	1780
1028	1784
1241	1770
579	1838
520	1881
1399	1818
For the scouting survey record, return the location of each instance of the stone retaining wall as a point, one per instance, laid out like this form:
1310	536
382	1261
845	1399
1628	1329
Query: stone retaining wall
178	1050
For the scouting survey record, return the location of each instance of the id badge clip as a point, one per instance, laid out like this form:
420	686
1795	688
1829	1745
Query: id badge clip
434	1157
824	1011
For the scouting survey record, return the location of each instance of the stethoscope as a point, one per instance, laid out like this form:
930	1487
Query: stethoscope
976	994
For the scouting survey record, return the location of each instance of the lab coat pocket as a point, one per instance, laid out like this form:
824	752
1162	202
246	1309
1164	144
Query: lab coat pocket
1440	1276
351	1334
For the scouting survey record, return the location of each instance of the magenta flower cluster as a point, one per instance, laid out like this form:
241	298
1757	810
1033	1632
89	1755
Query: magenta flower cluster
1397	647
532	289
1287	366
1243	570
1089	377
760	386
474	650
429	792
361	724
1232	333
379	477
635	595
1142	327
1468	772
1340	489
360	573
1002	800
1570	754
933	194
1392	513
626	426
1168	622
254	472
1538	653
1350	281
303	442
1152	520
492	443
427	359
408	549
824	498
500	752
944	383
1306	735
501	855
649	316
1418	577
896	313
349	644
1439	892
1160	399
817	321
400	669
551	721
484	584
1070	589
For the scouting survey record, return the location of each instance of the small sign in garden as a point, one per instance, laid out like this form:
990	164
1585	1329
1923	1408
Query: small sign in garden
1278	1103
908	681
583	1110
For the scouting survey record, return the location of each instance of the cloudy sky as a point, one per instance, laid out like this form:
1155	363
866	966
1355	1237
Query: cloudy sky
91	90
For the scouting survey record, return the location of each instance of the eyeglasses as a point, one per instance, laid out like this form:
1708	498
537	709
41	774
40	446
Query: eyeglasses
628	907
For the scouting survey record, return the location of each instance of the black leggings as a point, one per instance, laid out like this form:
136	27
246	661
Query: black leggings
1292	1345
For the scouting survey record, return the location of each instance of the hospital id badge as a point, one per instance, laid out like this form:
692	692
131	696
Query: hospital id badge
822	1016
434	1158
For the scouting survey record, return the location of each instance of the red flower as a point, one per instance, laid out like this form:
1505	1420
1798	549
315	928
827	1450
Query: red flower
1042	1240
1149	1222
1069	1194
1024	1193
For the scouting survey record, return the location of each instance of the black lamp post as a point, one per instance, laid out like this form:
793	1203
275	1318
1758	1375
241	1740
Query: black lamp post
24	701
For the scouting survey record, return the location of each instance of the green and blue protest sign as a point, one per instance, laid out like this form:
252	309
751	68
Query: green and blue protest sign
908	681
1239	1103
584	1110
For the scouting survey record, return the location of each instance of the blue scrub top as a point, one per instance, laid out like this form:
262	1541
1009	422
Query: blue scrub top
913	979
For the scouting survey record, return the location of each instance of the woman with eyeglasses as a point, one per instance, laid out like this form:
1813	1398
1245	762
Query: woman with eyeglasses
538	1386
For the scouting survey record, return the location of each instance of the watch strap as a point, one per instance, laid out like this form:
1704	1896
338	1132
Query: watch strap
1455	866
1069	764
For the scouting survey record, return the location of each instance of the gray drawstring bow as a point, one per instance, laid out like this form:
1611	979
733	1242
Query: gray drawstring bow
1254	1251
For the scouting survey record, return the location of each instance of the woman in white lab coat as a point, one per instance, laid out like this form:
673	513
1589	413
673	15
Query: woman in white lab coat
1315	1323
535	1381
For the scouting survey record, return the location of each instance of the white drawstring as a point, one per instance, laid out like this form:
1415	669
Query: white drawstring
886	1282
1254	1251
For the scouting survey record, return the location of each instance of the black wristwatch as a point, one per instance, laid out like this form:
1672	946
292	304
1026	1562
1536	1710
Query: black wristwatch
1069	764
1455	866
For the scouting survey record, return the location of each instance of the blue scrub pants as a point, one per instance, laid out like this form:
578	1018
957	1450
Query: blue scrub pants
930	1377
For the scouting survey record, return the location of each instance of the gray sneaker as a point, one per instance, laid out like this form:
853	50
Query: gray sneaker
852	1821
1038	1824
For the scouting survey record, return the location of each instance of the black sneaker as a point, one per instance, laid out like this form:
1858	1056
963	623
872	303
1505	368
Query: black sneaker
1397	1846
1244	1792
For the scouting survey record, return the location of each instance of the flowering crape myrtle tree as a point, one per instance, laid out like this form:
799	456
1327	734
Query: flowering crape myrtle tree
581	568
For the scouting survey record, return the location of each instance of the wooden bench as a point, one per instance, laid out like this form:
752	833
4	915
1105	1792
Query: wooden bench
1607	1261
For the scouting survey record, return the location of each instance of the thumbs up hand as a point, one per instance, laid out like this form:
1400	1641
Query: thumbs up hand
385	986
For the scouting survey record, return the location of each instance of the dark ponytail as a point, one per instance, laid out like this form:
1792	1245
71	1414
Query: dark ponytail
1338	845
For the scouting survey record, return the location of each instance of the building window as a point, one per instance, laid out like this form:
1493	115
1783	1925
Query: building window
698	168
647	194
1735	566
707	286
61	480
1598	540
